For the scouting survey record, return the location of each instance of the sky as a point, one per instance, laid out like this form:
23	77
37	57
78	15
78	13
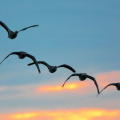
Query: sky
81	33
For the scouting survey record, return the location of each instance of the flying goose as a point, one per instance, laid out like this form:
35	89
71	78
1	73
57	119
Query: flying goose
12	34
82	77
53	69
22	55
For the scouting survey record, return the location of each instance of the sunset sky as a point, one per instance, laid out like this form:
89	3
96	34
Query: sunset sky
81	33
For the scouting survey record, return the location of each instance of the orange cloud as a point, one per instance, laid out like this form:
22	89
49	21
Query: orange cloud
67	87
78	114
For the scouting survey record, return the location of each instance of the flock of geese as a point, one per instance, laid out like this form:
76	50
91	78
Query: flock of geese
52	69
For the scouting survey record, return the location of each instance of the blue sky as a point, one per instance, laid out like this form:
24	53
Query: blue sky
80	33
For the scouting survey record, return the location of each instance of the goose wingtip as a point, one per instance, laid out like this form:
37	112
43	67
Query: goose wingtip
28	64
39	71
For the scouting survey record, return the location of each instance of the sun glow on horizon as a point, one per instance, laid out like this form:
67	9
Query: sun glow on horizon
76	114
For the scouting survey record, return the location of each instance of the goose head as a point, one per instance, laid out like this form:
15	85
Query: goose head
52	69
22	55
12	34
82	76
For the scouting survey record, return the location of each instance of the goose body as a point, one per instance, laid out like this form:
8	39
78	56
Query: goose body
22	55
12	34
82	77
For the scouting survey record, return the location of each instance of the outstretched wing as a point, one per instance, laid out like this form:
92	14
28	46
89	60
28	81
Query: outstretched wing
40	62
34	60
69	78
67	66
5	26
17	53
92	78
28	27
107	86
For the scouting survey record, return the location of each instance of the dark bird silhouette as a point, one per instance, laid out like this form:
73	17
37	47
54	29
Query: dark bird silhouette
53	69
12	34
114	84
82	77
22	55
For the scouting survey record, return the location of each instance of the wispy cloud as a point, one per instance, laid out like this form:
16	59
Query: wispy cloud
32	90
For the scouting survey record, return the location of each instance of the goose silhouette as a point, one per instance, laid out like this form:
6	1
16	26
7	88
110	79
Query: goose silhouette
12	34
82	77
117	85
53	69
22	55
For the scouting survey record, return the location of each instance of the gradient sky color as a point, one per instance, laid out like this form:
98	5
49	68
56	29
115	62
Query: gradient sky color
81	33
